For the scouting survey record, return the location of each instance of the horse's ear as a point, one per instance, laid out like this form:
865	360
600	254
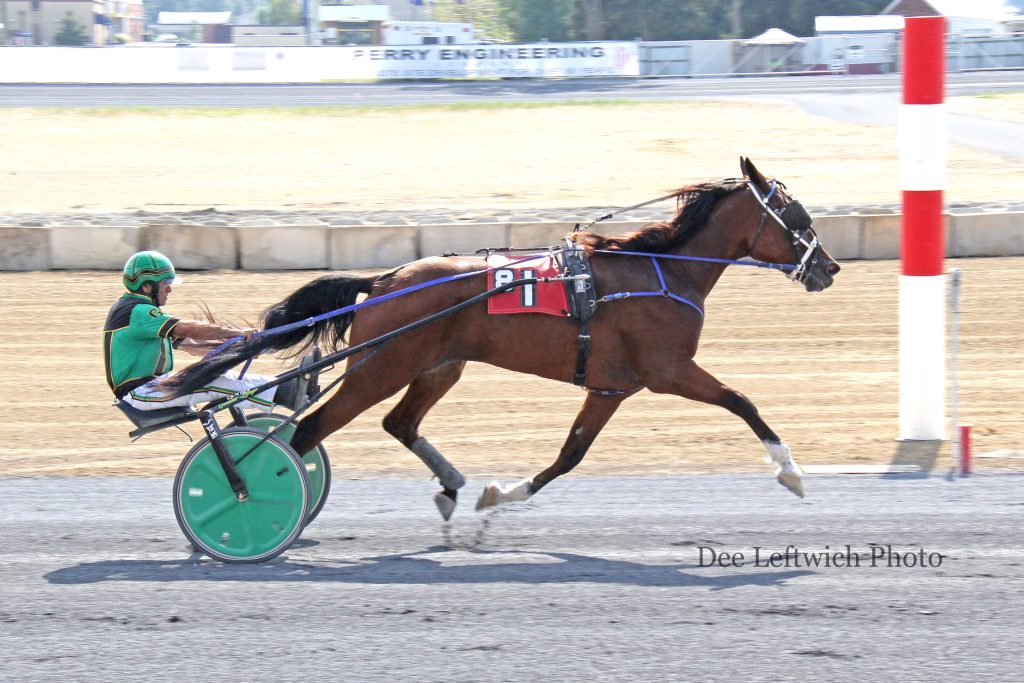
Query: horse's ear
750	171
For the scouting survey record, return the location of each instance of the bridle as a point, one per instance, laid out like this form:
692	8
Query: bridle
798	235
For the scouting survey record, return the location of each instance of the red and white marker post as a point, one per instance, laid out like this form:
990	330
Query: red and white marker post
922	313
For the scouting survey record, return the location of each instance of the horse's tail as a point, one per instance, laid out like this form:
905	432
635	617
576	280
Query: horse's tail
325	294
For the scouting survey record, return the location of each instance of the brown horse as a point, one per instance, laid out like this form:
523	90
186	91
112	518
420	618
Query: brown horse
637	343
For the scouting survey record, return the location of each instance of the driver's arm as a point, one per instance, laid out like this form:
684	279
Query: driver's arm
192	331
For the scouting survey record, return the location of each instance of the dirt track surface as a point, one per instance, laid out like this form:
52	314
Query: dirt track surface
821	368
407	158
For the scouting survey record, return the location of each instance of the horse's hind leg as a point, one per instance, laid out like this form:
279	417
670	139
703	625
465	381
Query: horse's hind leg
593	416
404	420
381	376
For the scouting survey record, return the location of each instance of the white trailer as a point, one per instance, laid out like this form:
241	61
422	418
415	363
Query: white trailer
426	33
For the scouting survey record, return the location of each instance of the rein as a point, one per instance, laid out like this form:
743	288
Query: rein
618	211
309	322
763	201
796	271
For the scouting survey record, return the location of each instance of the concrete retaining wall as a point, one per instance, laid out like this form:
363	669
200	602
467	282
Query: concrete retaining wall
263	244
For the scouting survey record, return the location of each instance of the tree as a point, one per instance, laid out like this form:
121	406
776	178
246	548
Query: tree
236	7
531	20
71	33
281	13
487	16
797	16
593	19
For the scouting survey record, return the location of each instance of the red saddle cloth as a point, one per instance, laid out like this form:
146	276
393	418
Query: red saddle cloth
542	297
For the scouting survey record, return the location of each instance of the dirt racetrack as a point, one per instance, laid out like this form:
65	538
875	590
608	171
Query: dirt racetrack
822	368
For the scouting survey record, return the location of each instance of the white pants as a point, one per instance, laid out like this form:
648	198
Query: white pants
147	397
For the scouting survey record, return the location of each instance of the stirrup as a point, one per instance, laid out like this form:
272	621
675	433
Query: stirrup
313	376
297	392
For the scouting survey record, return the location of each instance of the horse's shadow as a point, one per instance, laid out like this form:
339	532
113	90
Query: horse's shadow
412	568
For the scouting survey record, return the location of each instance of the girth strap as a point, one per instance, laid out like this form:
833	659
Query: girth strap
582	303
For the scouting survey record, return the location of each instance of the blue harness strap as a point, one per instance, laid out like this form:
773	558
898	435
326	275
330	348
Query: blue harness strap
662	292
700	259
309	322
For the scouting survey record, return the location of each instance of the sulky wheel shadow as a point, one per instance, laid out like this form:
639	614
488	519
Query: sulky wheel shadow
412	568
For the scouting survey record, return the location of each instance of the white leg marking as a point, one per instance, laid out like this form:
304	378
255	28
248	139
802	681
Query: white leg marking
789	473
494	494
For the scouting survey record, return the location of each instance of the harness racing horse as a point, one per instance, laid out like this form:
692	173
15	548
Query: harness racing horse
647	342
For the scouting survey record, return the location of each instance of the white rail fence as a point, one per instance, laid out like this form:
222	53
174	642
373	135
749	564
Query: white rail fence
150	63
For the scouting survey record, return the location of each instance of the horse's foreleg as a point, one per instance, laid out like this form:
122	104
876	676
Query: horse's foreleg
693	382
404	420
593	416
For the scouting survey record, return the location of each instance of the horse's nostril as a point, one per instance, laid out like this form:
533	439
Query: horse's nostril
833	268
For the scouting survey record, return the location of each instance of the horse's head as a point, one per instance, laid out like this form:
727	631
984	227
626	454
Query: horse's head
784	234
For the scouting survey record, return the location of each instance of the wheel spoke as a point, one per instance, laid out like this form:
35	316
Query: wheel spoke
225	505
268	499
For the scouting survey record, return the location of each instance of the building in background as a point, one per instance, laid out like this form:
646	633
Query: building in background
426	33
350	24
966	17
858	44
194	27
127	20
37	22
256	35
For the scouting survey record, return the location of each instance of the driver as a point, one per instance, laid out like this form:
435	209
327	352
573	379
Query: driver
139	341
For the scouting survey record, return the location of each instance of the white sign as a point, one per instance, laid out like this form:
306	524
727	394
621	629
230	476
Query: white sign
542	60
164	63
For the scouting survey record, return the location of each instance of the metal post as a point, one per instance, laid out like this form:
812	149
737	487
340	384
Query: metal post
312	8
922	135
3	21
954	322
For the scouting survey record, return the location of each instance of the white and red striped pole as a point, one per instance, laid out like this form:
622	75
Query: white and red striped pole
922	314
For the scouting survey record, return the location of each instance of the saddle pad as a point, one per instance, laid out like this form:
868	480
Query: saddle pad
542	297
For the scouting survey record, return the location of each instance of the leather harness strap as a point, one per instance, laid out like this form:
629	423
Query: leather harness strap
582	303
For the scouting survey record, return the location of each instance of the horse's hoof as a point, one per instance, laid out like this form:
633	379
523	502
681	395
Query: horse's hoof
494	494
490	497
445	503
792	481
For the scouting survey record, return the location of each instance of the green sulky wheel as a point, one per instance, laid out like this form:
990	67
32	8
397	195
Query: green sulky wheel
252	530
318	467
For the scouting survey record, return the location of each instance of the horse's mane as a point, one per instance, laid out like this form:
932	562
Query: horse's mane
693	207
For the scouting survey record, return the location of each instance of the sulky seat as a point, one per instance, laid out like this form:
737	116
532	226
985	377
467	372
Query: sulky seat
147	420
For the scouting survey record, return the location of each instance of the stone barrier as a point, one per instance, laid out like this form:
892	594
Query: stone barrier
379	246
24	247
880	236
302	242
75	244
462	238
266	246
987	234
195	246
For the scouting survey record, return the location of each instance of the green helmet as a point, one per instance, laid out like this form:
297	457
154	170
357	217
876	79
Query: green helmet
146	266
